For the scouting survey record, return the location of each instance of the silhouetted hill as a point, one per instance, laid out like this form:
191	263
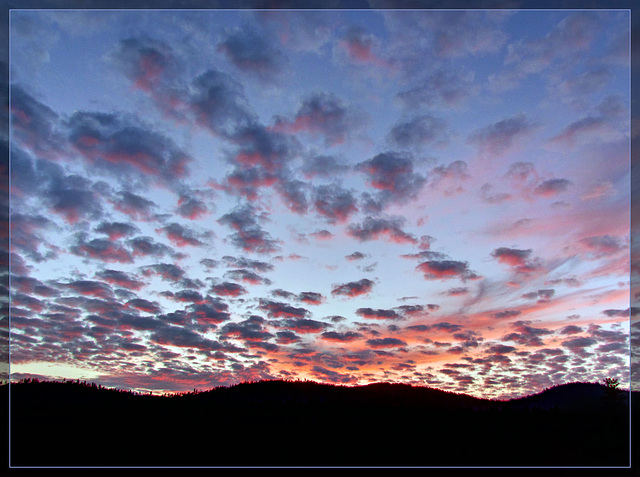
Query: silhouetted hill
279	423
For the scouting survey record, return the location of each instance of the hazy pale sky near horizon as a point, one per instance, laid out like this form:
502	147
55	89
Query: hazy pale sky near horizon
441	198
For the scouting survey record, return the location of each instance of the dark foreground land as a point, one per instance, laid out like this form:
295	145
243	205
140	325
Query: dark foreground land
277	423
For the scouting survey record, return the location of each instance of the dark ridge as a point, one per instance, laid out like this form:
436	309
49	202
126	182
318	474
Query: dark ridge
303	423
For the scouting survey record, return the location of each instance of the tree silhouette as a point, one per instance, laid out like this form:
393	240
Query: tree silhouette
611	383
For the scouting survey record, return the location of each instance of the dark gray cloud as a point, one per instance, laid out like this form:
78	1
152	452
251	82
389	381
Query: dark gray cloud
526	335
295	195
182	236
311	298
147	246
420	131
323	114
302	325
378	314
124	146
228	289
218	103
247	276
341	337
28	234
498	138
442	89
322	166
120	279
35	126
253	53
116	230
276	309
249	235
392	174
134	205
167	271
373	228
191	207
353	289
552	187
243	262
105	250
520	261
251	329
334	203
446	269
385	343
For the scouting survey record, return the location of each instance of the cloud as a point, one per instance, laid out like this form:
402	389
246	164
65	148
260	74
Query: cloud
449	177
251	329
191	207
322	166
311	298
144	305
247	276
599	246
124	146
183	337
252	53
182	236
34	125
264	147
560	47
520	261
375	228
134	205
360	47
570	330
294	194
353	289
442	89
322	235
578	345
218	103
323	114
526	335
385	343
392	174
505	314
334	203
420	131
247	182
552	187
541	295
250	237
378	314
148	63
500	137
228	289
495	197
116	230
302	325
91	288
501	349
341	337
146	246
276	309
446	269
167	271
104	250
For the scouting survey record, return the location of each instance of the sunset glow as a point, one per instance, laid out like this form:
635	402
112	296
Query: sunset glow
205	197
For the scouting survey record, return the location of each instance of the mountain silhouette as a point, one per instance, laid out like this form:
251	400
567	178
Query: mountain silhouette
282	423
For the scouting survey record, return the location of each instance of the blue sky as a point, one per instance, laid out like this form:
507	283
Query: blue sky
441	198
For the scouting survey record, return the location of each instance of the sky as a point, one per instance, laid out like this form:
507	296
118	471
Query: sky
433	197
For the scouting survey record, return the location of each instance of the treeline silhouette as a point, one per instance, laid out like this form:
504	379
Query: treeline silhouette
304	423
